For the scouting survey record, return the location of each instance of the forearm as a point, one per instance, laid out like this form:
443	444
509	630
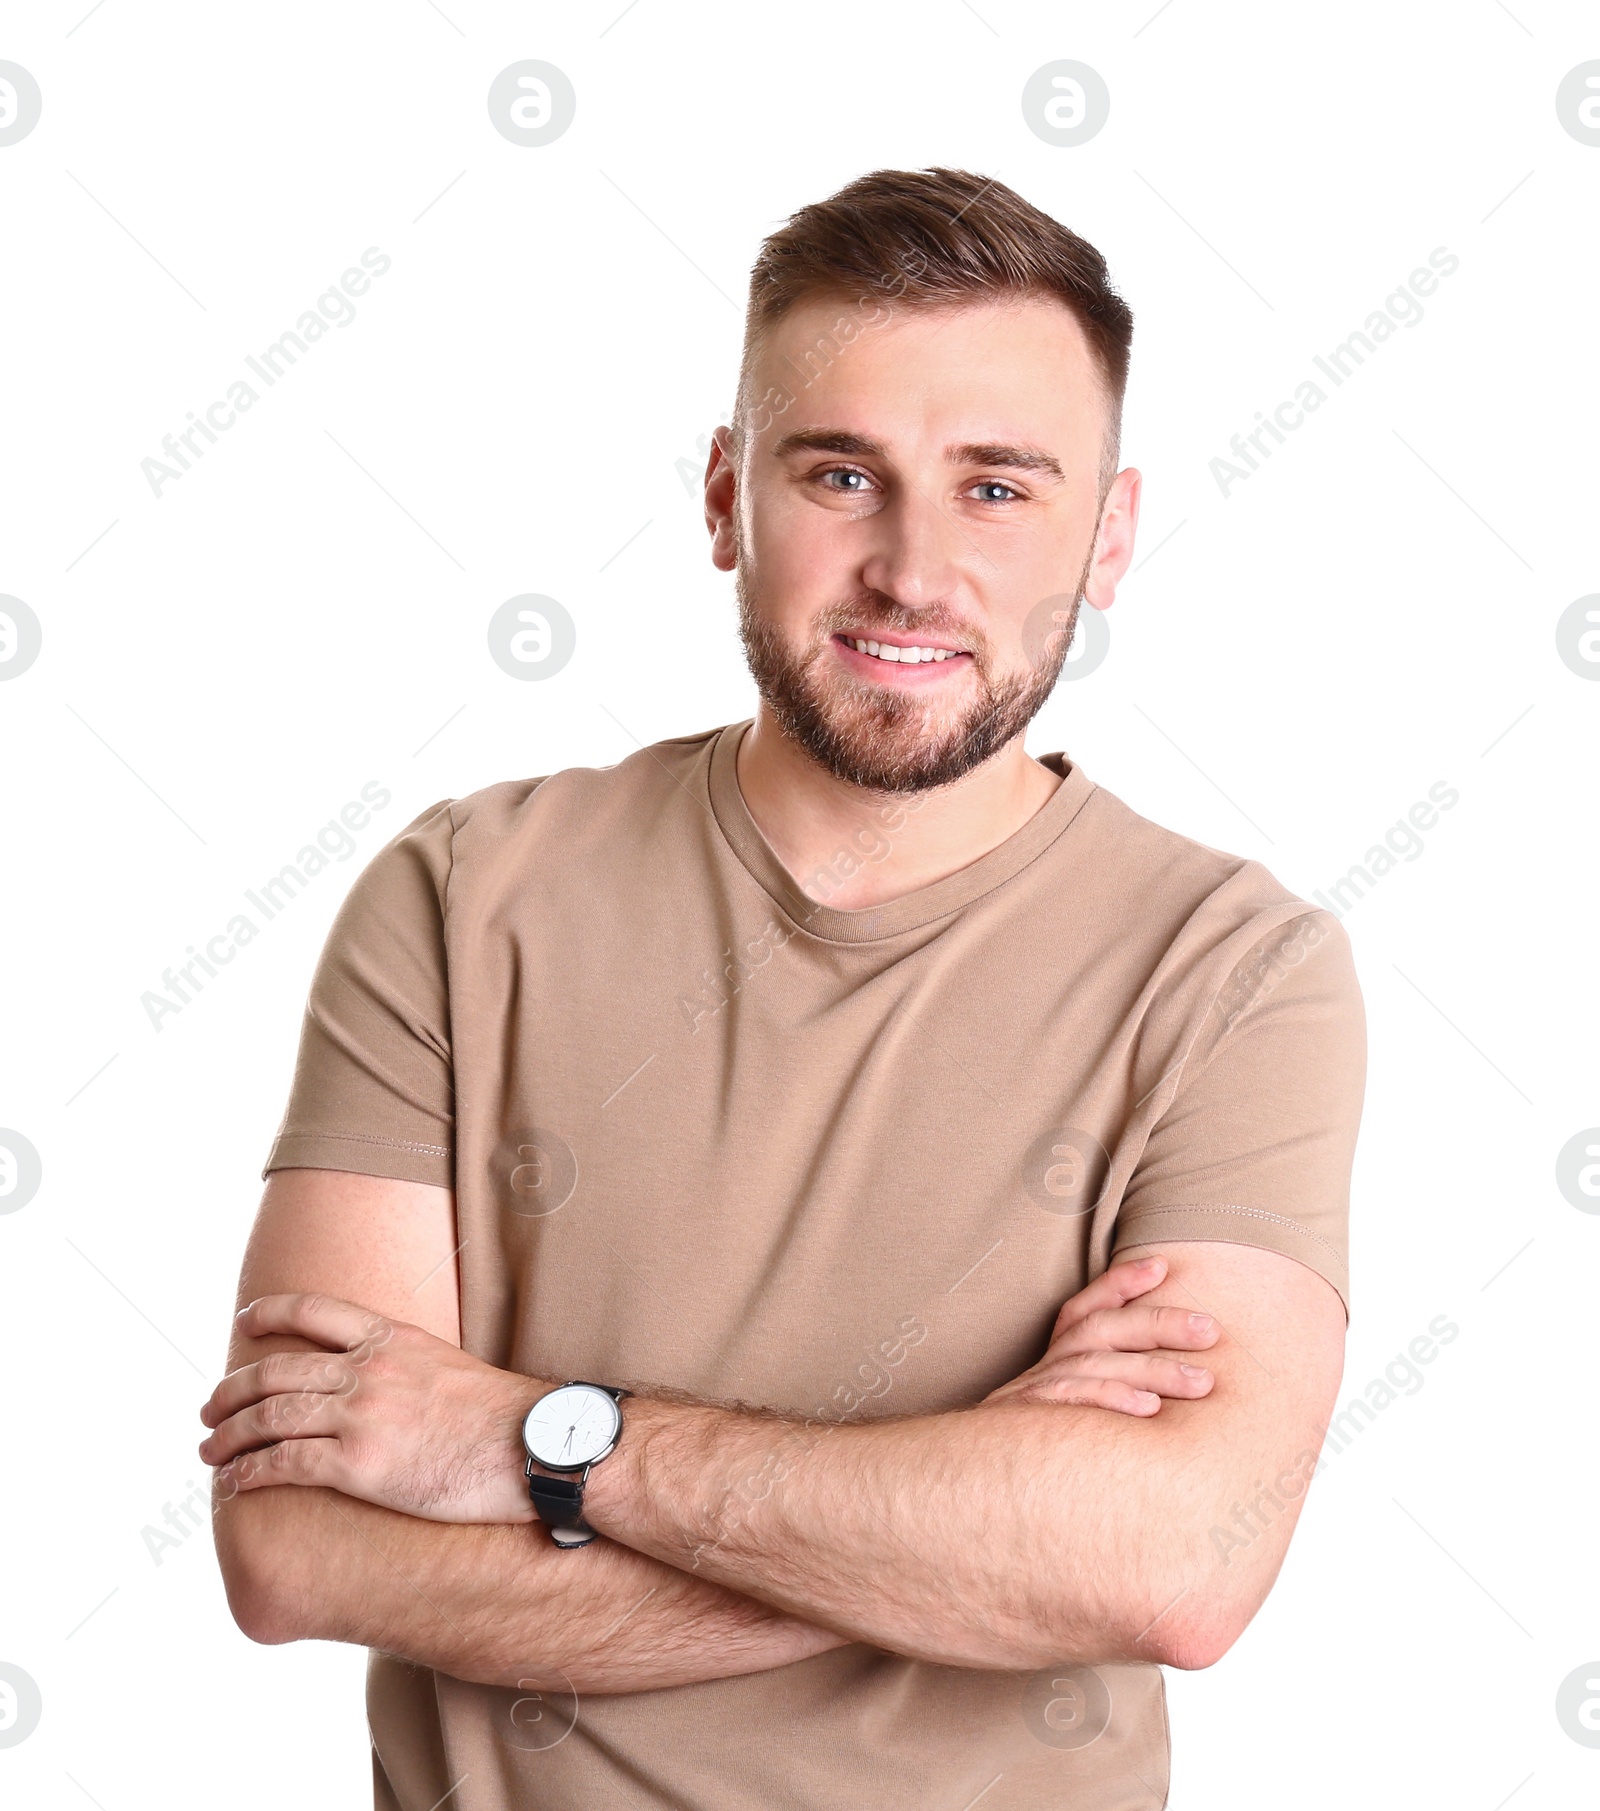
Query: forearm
496	1604
1010	1535
1035	1527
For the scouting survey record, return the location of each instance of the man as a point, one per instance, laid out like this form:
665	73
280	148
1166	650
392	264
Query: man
804	1078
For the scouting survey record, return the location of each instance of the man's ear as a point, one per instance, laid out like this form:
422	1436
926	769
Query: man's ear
1114	537
721	498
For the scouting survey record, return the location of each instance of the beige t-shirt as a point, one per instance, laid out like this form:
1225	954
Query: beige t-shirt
706	1132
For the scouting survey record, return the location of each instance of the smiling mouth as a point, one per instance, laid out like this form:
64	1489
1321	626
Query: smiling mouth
890	654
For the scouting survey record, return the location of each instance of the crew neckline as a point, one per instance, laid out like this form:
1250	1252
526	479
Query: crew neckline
910	911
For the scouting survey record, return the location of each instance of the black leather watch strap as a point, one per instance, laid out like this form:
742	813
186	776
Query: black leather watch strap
559	1503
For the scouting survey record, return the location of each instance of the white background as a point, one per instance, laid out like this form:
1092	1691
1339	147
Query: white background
225	665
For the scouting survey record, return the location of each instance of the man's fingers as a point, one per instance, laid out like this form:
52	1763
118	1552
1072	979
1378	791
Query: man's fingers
1121	1283
276	1419
324	1318
294	1462
1140	1328
1167	1373
277	1373
1079	1387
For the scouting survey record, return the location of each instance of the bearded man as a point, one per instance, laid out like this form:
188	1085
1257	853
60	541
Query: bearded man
804	1267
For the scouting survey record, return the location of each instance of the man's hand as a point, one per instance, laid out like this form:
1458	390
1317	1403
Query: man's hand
493	1605
1106	1353
388	1413
396	1417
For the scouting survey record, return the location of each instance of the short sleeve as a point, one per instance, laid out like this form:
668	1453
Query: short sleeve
1257	1144
373	1087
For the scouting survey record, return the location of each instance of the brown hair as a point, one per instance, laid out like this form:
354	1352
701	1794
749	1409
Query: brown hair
934	238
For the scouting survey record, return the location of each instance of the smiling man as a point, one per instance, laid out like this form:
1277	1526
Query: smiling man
722	1324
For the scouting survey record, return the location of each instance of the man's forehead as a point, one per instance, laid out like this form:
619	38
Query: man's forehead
1015	373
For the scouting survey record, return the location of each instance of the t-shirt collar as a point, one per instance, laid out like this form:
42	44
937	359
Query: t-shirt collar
911	910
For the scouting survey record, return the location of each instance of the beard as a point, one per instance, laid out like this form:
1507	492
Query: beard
885	741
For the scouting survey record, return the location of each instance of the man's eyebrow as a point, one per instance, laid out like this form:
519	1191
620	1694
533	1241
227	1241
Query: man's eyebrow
1018	458
860	446
829	440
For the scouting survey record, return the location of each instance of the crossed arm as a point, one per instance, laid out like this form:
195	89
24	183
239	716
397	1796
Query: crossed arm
1073	1515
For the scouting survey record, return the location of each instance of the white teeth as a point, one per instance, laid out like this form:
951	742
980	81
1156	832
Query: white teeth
907	656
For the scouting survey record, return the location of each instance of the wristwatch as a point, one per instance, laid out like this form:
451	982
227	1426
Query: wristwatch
568	1430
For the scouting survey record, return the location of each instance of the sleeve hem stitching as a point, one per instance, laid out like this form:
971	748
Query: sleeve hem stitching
394	1144
1253	1213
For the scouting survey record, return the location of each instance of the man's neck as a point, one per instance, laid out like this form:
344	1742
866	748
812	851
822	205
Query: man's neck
891	846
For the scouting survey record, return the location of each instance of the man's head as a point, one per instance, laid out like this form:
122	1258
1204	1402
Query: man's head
923	455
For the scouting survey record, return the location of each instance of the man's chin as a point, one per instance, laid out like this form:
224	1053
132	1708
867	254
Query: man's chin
897	744
889	738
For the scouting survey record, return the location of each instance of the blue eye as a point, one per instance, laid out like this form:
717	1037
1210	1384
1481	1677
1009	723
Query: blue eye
994	484
842	472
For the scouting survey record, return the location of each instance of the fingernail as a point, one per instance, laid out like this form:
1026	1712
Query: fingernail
1150	1264
1148	1399
1199	1322
1193	1370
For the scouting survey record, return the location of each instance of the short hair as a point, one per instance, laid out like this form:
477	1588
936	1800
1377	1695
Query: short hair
934	238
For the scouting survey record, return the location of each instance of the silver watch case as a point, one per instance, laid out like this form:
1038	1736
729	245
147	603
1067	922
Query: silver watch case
597	1391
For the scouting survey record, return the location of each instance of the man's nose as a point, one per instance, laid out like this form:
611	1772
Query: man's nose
919	553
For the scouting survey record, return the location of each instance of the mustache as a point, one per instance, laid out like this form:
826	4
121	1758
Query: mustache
867	618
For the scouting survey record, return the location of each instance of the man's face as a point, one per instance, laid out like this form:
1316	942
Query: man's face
932	491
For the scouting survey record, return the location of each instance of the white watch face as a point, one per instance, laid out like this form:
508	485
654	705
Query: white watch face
572	1426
